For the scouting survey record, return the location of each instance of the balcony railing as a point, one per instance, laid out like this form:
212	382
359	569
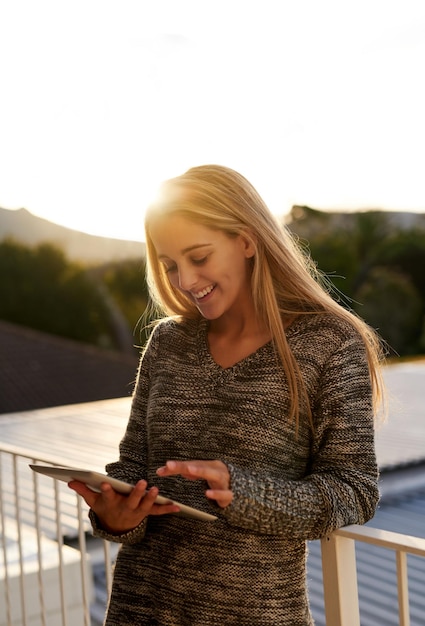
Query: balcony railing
46	567
46	564
340	571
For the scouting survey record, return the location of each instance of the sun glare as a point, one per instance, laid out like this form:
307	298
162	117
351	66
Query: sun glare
311	110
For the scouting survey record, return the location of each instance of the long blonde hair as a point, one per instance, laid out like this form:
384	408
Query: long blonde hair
285	282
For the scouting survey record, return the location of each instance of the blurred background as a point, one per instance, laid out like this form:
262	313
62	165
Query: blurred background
319	104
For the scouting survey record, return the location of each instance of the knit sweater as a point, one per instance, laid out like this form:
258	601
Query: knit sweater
247	568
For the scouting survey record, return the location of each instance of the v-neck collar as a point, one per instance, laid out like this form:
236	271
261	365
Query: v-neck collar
223	374
214	370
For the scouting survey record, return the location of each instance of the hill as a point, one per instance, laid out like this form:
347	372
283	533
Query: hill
31	230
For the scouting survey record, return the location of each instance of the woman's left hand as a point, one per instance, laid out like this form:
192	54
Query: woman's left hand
215	473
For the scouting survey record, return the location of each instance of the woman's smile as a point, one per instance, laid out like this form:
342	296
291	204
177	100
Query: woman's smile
203	293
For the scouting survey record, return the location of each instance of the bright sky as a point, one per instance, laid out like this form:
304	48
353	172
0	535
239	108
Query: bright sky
317	102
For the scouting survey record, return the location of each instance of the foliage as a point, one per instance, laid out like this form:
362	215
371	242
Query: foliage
126	283
43	290
375	268
394	306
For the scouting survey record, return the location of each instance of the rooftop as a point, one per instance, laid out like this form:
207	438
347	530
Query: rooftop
39	370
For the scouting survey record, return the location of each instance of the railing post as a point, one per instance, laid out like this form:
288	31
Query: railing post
403	588
340	581
3	543
20	542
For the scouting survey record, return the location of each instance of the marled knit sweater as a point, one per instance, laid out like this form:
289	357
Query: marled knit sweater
249	566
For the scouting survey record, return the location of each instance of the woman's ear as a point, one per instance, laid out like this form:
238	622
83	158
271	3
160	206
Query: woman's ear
249	242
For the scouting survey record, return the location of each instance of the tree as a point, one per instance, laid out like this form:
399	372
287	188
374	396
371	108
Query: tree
43	290
374	267
390	302
405	252
125	280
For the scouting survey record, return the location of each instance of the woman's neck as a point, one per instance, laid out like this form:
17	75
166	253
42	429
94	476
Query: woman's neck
230	343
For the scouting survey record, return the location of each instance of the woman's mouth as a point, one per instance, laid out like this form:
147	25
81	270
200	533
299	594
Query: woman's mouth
203	293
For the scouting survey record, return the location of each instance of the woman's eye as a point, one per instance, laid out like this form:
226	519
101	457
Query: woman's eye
170	269
199	261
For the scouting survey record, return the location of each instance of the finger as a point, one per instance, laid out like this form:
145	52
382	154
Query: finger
172	468
164	509
85	492
136	496
223	497
191	469
148	500
213	472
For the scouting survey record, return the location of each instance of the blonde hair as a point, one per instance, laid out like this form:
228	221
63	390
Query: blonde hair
285	282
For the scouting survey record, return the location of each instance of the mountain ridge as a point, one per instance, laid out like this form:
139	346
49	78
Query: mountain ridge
28	229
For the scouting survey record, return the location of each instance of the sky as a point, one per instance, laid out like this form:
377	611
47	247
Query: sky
316	102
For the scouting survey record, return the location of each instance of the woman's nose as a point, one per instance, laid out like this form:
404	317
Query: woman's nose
187	278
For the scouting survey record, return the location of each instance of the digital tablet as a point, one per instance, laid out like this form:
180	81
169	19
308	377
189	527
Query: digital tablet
95	479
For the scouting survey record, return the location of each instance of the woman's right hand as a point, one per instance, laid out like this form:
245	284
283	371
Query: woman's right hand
120	513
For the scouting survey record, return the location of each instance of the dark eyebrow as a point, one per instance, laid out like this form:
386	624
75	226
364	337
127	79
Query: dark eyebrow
188	249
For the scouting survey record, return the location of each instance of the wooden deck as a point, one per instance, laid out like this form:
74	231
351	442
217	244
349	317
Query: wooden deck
84	435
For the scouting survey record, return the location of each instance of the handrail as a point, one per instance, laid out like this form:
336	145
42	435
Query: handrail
340	572
40	575
35	455
25	506
384	538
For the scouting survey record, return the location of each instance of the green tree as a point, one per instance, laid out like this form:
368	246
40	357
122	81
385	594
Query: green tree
405	252
374	267
335	256
125	281
41	289
391	303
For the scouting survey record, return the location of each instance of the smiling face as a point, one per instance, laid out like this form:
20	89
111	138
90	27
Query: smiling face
210	267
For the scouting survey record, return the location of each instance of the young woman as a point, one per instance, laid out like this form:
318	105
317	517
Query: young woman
255	401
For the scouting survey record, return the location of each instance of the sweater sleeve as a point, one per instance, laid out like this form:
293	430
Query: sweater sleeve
341	486
131	466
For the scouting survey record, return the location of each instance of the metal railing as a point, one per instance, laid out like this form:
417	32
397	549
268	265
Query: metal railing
47	558
46	576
